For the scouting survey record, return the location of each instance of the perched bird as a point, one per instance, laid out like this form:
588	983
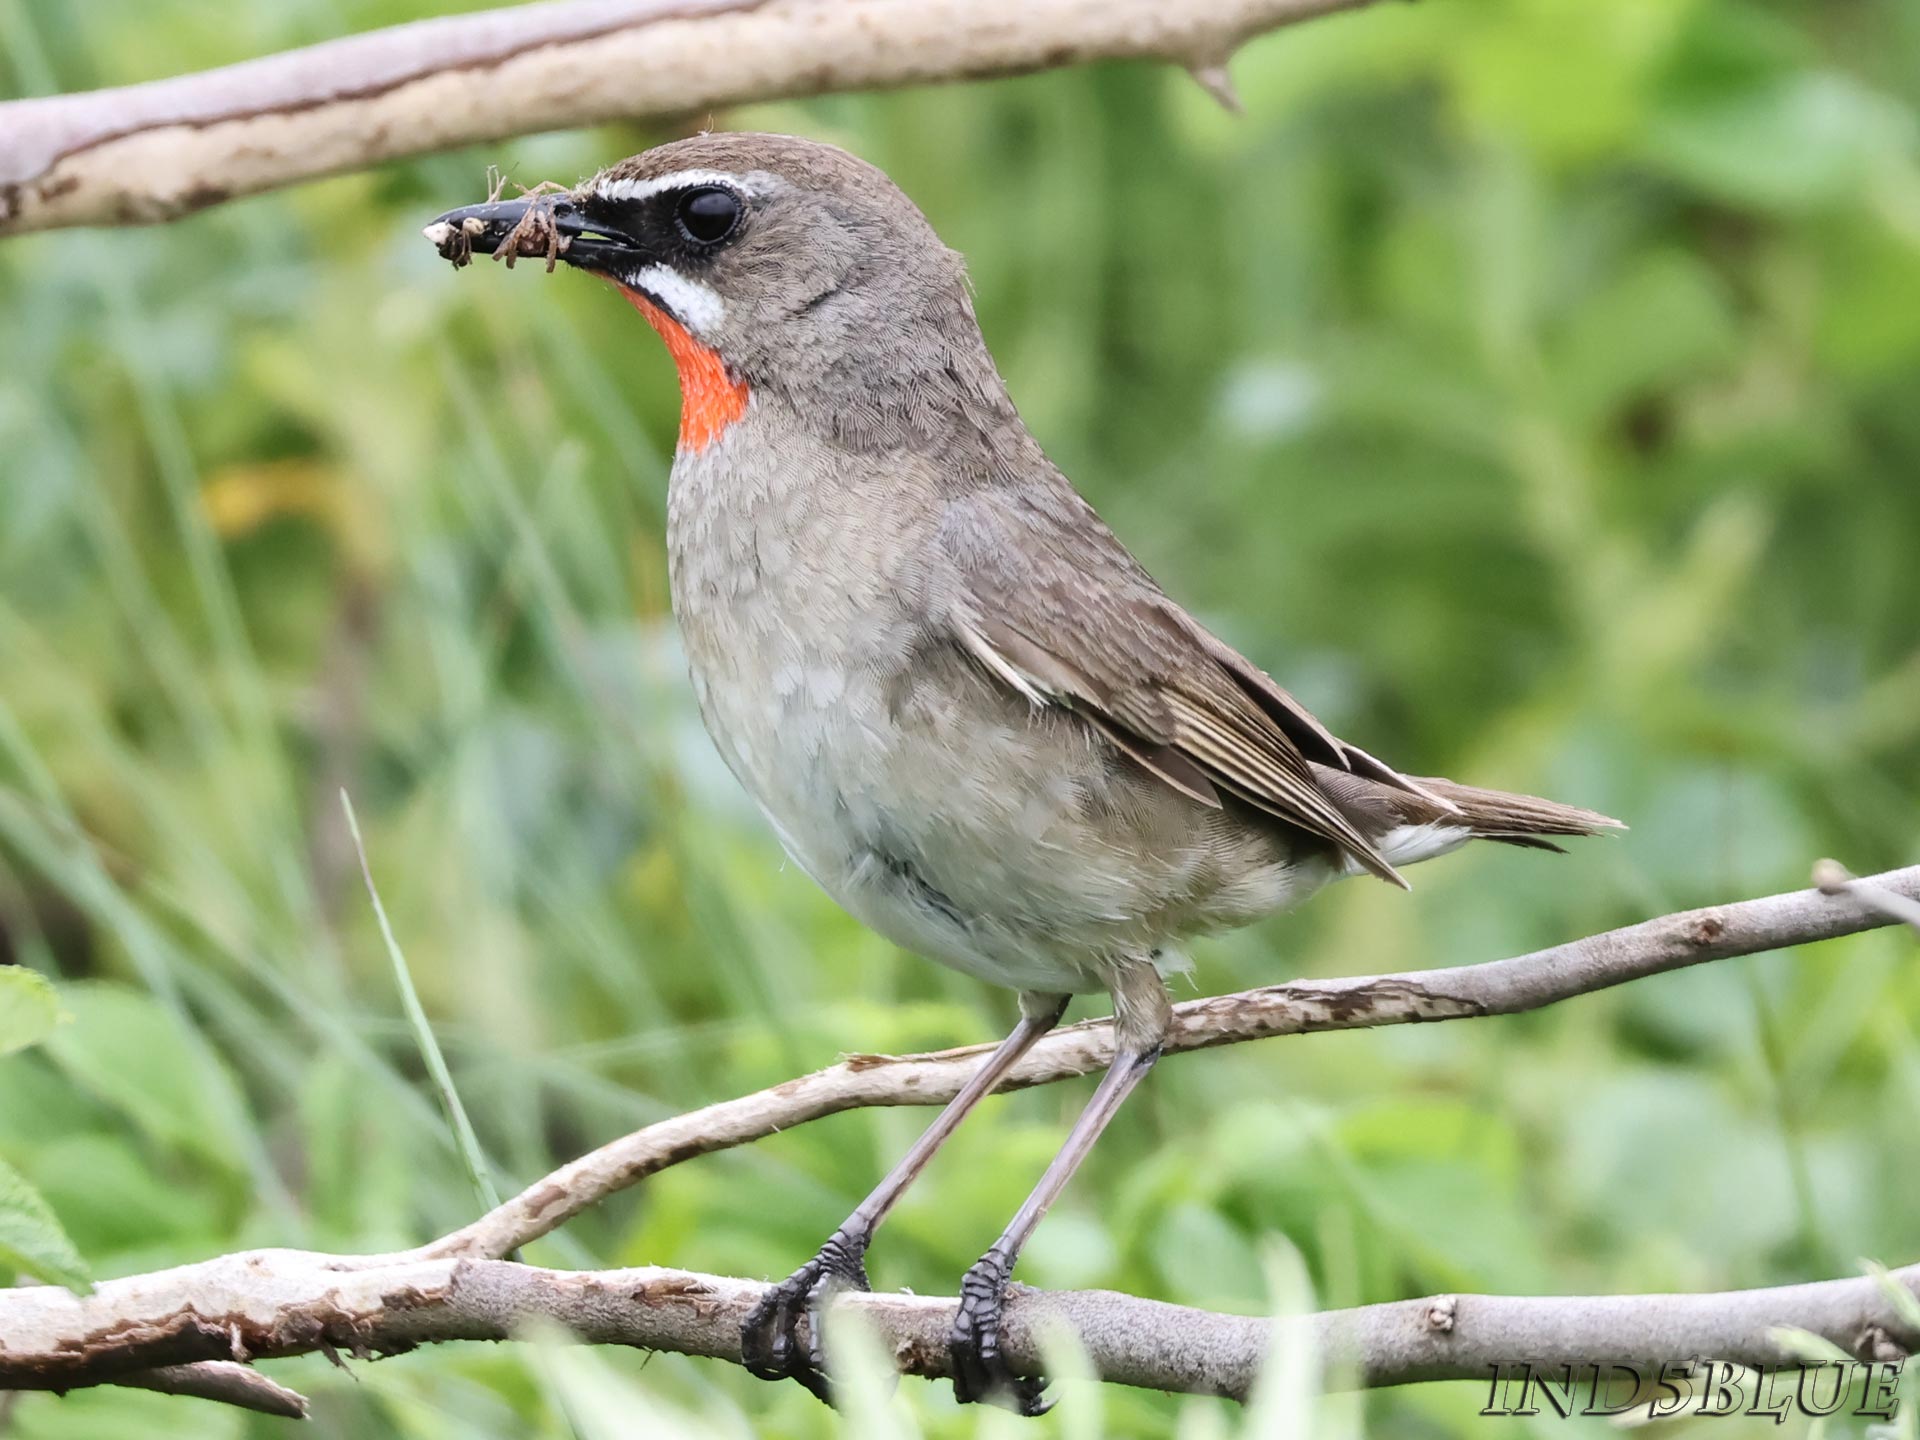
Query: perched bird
967	711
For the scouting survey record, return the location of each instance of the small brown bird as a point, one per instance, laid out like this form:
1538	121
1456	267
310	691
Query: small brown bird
965	708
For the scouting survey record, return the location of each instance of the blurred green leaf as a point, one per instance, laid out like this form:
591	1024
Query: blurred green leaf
1281	1405
115	1203
128	1052
31	1239
1809	1348
1906	1305
29	1008
1653	327
1870	321
1570	79
112	1410
1796	141
1204	1260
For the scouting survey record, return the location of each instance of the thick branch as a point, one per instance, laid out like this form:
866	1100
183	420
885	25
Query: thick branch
284	1302
163	149
161	1330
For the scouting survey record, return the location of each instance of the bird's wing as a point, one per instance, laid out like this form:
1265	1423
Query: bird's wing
1047	600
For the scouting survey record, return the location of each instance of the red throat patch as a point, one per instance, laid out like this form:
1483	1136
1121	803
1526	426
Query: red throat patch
710	398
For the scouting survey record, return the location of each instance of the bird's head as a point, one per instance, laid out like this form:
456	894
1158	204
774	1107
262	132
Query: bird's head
764	261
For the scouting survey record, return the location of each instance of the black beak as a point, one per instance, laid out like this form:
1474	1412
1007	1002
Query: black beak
545	227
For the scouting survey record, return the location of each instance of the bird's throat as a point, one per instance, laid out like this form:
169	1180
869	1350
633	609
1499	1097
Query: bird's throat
711	399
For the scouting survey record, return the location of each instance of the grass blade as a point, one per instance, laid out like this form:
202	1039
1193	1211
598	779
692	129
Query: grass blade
465	1140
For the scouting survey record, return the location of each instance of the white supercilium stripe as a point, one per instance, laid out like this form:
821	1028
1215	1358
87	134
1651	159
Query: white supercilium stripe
698	307
619	191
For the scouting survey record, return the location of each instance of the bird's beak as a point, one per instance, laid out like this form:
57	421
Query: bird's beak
550	227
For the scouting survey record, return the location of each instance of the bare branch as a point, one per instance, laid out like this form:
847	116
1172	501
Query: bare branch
162	1330
286	1302
1498	987
1833	878
163	149
226	1381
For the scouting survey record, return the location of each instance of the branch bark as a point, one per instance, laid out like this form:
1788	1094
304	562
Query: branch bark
227	1381
166	148
271	1303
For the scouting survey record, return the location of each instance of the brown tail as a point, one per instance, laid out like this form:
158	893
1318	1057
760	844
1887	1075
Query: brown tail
1518	819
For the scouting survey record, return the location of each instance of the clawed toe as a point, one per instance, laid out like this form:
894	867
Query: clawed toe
769	1337
980	1371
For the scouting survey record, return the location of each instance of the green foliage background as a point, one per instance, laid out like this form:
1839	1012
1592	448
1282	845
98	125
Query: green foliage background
1533	384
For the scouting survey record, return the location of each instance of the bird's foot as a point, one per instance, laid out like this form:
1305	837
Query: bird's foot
769	1342
980	1370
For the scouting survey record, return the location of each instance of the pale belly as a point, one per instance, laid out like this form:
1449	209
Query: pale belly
934	805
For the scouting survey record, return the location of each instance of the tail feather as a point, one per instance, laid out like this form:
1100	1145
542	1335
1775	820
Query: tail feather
1518	819
1437	816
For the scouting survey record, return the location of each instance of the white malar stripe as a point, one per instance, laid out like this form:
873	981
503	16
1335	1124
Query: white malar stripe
619	191
1410	844
696	306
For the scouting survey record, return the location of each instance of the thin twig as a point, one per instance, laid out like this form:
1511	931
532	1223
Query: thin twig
225	1381
1498	987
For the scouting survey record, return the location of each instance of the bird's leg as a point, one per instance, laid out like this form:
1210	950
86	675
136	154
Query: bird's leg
1142	1013
768	1345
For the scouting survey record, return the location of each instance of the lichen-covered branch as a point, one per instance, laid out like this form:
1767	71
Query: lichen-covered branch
161	1330
160	150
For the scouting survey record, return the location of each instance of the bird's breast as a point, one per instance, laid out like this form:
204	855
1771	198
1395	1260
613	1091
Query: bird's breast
787	586
931	800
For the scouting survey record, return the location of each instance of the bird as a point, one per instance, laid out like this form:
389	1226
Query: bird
963	706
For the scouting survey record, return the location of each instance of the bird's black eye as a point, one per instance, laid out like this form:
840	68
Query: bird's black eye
708	215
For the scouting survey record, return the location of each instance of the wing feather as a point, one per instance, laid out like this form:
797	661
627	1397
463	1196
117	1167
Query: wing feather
1049	603
1275	779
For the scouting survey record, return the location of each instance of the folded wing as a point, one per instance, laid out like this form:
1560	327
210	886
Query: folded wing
1081	625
